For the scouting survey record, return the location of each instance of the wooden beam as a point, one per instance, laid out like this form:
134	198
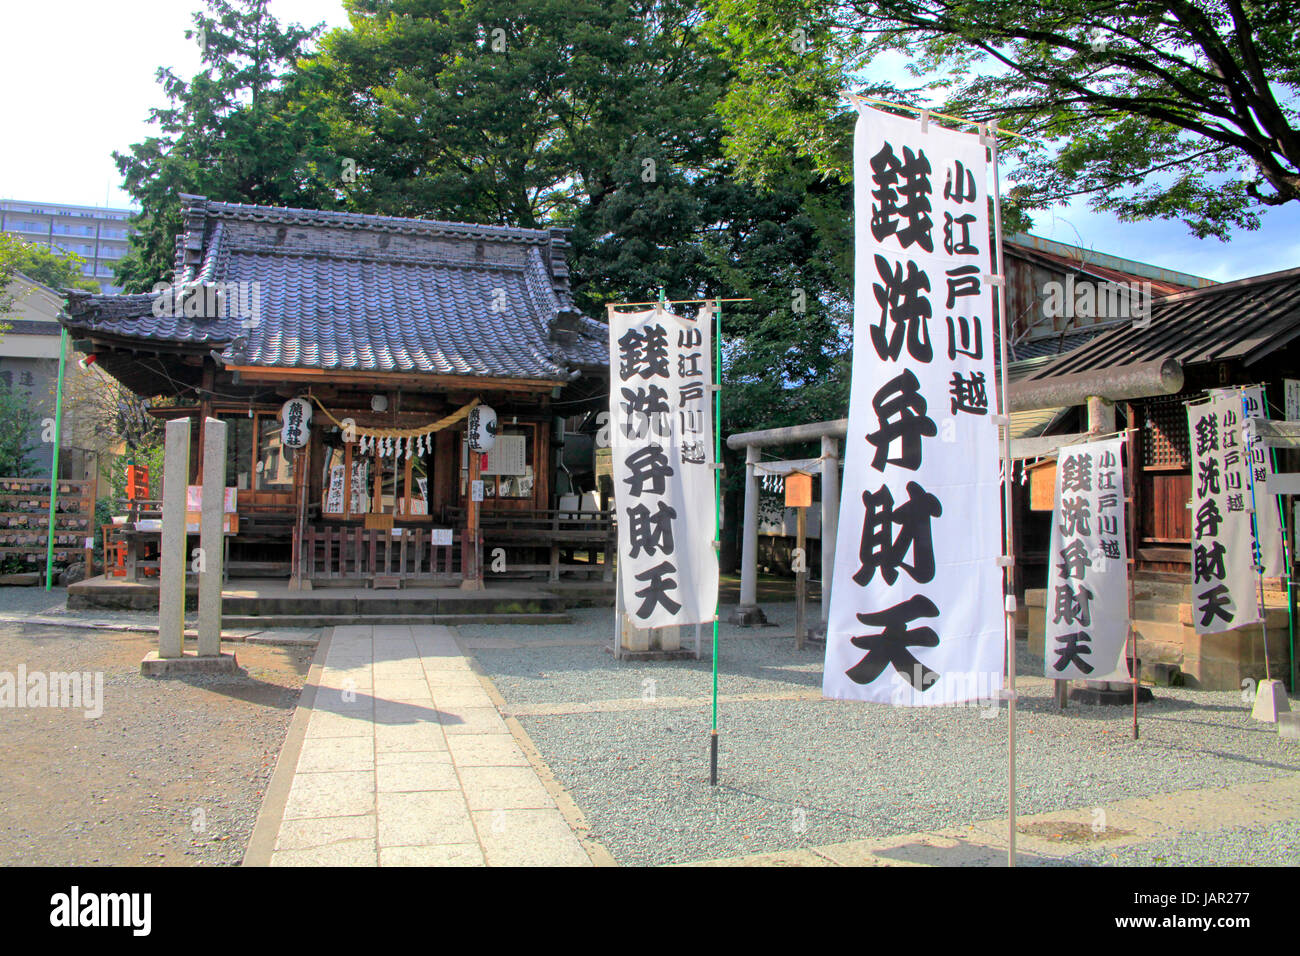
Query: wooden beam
472	383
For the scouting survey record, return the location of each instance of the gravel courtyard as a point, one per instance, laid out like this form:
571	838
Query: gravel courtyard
630	743
173	771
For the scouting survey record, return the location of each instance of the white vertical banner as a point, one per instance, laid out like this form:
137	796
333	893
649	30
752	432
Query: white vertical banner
1224	579
1250	402
1087	594
661	440
916	614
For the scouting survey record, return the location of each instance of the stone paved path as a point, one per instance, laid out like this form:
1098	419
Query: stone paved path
403	759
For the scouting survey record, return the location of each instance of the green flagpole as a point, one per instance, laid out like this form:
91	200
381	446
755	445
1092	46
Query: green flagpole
54	465
717	526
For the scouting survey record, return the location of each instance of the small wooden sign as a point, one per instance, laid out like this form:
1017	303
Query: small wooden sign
379	522
798	489
1042	485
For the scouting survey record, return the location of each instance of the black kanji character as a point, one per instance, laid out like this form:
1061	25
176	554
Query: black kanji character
960	188
963	331
1218	603
1209	477
1208	519
1208	562
1075	515
1072	605
962	246
1074	558
644	352
650	532
881	550
1076	473
657	588
914	190
645	410
649	465
969	394
904	312
890	646
1070	649
900	410
962	281
1207	434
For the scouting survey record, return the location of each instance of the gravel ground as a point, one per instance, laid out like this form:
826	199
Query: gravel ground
807	772
173	772
1274	844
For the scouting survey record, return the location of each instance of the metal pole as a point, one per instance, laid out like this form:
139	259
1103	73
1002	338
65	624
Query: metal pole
1131	560
717	526
1008	567
54	464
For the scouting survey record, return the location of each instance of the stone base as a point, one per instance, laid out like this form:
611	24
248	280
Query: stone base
155	666
1270	702
750	616
472	584
680	654
1108	696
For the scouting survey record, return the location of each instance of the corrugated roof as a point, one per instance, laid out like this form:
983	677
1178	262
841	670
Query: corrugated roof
351	292
1241	321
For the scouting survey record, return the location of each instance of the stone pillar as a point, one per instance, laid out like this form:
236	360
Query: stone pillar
1101	416
171	556
830	517
212	539
748	613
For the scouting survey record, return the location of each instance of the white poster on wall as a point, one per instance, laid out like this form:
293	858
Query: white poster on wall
661	436
916	614
1087	622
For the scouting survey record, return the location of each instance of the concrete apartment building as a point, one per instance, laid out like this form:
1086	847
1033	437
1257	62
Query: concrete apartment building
97	234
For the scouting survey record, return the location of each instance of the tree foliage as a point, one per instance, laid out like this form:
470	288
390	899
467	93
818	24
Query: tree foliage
1185	109
231	133
50	267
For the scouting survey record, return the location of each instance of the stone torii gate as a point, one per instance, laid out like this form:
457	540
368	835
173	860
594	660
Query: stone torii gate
748	613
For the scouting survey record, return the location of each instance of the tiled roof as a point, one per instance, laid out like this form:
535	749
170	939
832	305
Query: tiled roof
1244	320
350	292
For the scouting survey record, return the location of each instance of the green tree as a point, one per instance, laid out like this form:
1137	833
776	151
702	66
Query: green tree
1185	109
18	434
51	267
229	133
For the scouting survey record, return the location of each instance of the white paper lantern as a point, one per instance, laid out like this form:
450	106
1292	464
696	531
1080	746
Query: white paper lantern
481	428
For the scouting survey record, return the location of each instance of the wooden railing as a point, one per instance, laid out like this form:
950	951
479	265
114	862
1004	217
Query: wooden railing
557	529
380	556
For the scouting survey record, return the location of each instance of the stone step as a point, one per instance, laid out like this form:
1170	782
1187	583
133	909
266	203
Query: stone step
1159	632
274	621
1164	613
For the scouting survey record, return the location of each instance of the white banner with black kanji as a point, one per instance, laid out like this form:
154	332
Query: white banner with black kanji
1224	554
661	439
1087	621
916	614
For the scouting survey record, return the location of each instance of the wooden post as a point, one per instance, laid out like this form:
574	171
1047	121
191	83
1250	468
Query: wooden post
472	559
801	579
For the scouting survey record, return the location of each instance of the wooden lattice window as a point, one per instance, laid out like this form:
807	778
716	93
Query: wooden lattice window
1164	436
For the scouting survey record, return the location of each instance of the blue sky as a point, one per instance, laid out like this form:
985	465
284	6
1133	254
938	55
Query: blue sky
79	82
